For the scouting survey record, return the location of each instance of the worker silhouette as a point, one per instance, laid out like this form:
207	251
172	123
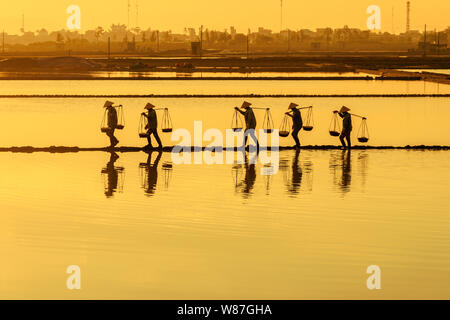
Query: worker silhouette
346	126
250	123
152	173
112	175
152	126
297	122
112	121
297	174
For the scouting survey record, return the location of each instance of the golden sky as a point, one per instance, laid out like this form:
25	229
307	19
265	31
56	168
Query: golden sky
214	14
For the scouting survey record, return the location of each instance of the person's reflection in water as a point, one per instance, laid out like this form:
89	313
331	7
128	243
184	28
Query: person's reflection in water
346	170
152	173
340	164
297	174
363	158
250	176
112	175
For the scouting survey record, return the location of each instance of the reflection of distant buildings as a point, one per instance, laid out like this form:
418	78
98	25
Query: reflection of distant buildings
149	174
113	176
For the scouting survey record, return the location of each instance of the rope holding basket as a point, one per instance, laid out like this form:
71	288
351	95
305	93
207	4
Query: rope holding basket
143	126
268	122
120	118
236	122
285	127
335	127
308	125
104	126
363	132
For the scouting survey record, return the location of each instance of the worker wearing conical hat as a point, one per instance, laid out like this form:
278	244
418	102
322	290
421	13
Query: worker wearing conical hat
250	122
346	126
297	122
152	125
112	122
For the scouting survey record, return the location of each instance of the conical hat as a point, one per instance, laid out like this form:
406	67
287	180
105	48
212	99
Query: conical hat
149	106
245	104
108	104
293	105
344	109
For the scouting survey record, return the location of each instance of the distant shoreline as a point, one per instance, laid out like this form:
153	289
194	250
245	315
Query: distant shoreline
212	78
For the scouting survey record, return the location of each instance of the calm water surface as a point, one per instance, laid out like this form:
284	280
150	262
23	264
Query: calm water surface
76	122
141	87
145	228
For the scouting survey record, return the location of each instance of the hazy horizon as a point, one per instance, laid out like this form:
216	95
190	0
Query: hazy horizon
175	15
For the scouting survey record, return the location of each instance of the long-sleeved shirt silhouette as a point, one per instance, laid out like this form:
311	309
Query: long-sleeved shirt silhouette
250	119
112	118
297	121
346	122
152	119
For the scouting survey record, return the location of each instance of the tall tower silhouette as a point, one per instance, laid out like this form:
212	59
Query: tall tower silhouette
129	9
281	15
408	16
137	14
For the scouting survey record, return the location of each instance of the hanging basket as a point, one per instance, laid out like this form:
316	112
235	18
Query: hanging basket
284	128
120	118
335	127
166	125
308	125
236	122
104	126
268	122
363	132
143	126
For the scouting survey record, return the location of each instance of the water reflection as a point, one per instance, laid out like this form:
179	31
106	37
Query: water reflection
363	163
167	168
297	175
249	179
296	168
113	177
149	173
244	175
340	166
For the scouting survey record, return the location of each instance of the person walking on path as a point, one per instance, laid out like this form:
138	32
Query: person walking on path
297	122
250	122
346	126
152	126
112	122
